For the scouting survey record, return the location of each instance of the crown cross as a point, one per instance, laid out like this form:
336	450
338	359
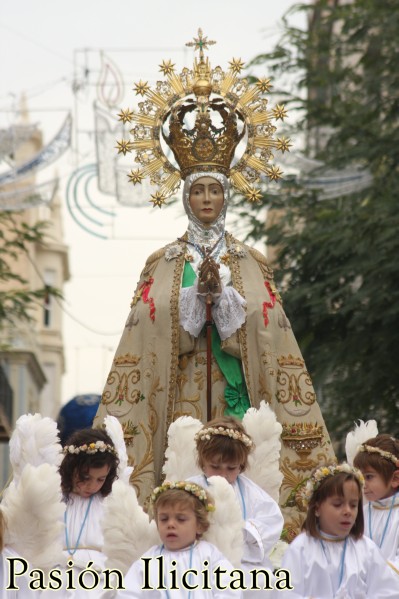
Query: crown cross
200	43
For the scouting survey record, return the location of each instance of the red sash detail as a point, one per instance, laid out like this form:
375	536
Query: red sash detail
145	290
270	304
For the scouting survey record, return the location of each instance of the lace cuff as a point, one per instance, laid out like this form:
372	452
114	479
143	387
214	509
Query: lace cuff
192	310
229	313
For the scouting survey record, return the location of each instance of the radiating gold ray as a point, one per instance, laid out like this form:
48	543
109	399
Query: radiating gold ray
170	184
249	96
227	83
147	120
153	166
143	144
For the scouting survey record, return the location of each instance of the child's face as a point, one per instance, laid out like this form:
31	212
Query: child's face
177	526
375	487
92	481
337	514
215	467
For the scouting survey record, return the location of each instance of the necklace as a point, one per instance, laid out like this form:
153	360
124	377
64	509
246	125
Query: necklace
189	569
68	548
341	561
201	249
384	532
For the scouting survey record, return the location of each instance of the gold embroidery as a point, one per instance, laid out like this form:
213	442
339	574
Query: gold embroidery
302	442
302	430
263	390
292	361
238	285
290	388
175	324
129	431
146	463
293	526
127	360
290	480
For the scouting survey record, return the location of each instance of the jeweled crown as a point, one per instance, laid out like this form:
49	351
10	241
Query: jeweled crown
204	147
203	114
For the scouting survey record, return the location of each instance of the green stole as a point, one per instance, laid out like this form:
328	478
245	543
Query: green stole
235	393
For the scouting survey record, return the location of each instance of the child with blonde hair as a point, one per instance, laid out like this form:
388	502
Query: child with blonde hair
223	448
378	460
332	558
180	510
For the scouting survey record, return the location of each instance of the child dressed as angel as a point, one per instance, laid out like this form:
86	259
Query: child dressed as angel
223	448
183	563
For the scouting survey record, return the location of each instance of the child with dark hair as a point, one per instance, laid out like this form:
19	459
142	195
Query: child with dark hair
223	448
332	558
87	471
378	459
180	510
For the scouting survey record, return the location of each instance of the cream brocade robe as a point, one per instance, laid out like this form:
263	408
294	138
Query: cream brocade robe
159	369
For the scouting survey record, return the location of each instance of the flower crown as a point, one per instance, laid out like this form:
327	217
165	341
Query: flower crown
385	454
207	433
90	448
315	480
183	485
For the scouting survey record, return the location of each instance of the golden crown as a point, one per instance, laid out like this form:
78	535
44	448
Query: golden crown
202	114
301	429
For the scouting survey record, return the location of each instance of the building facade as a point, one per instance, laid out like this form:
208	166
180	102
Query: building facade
31	351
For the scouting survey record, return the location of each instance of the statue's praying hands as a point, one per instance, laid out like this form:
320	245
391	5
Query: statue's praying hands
209	282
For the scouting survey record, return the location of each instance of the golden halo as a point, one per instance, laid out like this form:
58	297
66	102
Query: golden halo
204	147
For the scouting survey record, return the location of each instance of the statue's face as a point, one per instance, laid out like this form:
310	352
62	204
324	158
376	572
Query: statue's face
206	199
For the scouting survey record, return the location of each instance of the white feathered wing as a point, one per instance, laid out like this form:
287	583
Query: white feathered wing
226	522
114	429
33	510
34	441
127	530
180	455
264	462
362	432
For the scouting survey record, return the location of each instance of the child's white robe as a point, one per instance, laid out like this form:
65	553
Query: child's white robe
263	521
185	560
375	517
315	571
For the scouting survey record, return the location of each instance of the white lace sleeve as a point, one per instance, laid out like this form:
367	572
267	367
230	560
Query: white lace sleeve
192	310
229	312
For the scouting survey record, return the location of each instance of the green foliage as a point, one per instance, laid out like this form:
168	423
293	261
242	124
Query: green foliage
16	297
337	259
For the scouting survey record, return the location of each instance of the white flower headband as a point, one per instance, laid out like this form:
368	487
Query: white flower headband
207	433
90	448
385	454
314	481
183	485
